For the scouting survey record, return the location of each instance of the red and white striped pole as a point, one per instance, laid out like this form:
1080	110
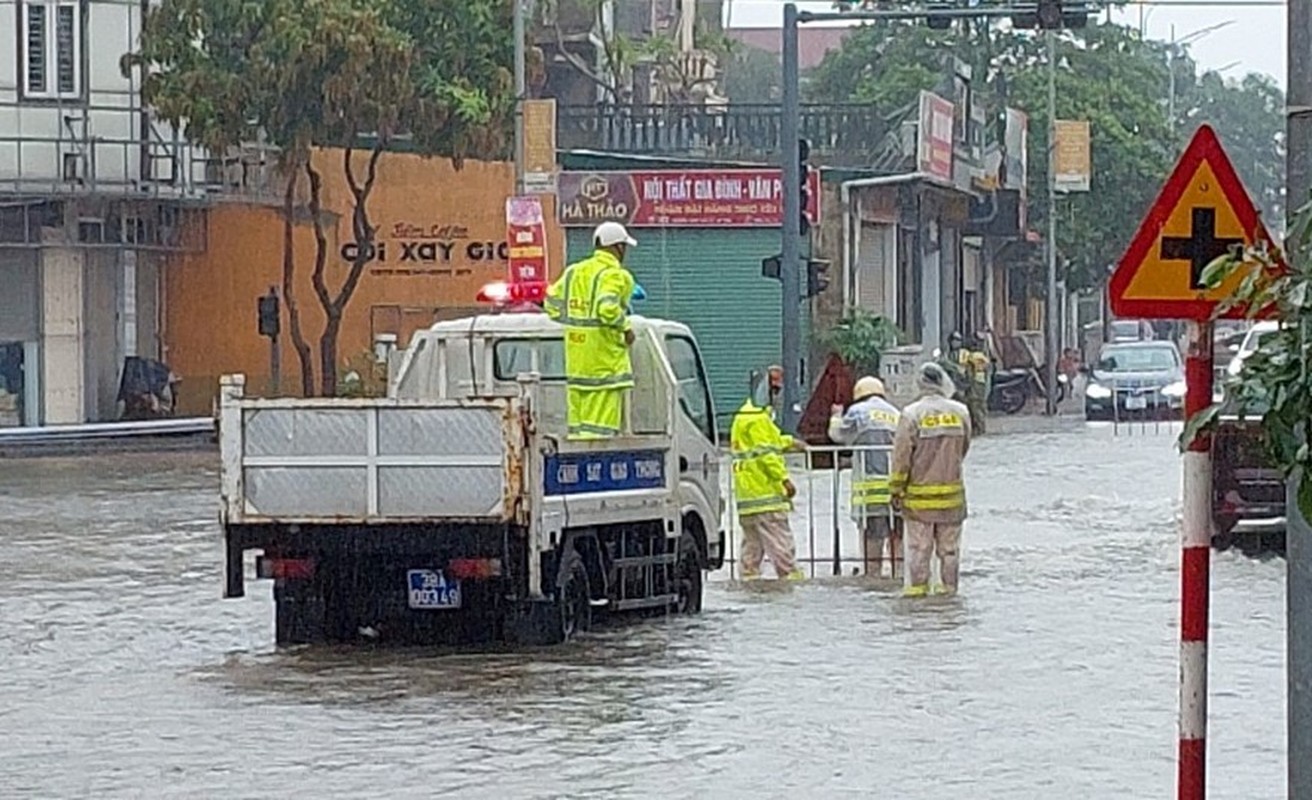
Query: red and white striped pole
1195	567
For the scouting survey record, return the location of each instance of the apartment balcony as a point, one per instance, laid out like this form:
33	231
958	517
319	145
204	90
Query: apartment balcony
840	134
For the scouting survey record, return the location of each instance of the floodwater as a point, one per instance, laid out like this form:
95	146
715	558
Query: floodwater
123	673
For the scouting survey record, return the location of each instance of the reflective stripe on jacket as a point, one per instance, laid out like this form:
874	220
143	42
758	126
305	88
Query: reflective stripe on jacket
591	299
872	423
932	440
759	470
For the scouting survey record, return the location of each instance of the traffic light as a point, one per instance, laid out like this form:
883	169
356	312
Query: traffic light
817	276
269	320
804	190
1054	15
938	22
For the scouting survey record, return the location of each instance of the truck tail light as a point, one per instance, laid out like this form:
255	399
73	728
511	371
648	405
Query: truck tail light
295	568
474	568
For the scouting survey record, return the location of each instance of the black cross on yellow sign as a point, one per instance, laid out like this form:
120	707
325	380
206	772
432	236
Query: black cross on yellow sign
1202	212
1200	248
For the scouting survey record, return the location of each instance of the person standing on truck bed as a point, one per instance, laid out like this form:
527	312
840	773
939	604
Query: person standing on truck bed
932	439
762	486
592	300
870	422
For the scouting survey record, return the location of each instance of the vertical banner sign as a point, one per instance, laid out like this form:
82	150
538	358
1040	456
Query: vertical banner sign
1017	162
526	232
539	146
1073	156
934	137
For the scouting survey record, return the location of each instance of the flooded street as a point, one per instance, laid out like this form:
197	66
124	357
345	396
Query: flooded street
123	673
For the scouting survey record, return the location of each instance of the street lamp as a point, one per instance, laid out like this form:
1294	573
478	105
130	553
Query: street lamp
1170	65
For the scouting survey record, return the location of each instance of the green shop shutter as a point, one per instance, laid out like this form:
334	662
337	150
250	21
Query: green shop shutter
710	280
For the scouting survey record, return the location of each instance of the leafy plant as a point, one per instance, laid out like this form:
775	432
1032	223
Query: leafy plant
860	339
1275	383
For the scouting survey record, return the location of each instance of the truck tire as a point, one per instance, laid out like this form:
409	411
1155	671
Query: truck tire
573	600
688	576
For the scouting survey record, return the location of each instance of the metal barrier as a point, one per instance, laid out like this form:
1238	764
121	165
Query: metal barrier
823	501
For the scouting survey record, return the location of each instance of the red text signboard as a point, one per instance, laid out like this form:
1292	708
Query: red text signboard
934	143
739	198
1202	212
526	234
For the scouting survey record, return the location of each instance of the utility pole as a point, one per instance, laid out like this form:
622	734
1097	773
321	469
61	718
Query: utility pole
1298	534
521	84
790	251
1050	308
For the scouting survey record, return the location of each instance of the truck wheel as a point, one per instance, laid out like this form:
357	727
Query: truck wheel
572	598
688	577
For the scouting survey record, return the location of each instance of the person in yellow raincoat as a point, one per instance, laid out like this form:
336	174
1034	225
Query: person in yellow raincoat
591	299
763	490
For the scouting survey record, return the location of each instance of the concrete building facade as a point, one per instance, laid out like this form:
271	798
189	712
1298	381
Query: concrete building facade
93	192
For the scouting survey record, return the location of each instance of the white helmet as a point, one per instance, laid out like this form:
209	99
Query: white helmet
612	233
868	386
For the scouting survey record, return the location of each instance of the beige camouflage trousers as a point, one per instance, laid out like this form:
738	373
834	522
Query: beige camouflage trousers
767	534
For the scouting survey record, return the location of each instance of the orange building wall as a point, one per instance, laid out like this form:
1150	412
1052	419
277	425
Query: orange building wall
439	232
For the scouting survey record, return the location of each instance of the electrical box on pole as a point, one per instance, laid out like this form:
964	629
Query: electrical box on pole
269	318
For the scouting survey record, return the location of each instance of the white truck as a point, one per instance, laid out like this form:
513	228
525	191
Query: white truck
455	509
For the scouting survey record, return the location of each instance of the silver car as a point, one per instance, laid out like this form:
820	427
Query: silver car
1136	380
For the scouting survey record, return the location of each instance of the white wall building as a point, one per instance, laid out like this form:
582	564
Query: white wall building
92	194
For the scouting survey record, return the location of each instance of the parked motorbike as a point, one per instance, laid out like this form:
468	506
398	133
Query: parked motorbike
147	389
1011	389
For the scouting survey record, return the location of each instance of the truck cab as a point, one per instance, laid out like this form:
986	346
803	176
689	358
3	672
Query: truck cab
457	508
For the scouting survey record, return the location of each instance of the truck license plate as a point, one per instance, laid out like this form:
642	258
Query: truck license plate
430	589
1133	403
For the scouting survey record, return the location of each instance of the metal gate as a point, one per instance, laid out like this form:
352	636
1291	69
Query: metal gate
828	540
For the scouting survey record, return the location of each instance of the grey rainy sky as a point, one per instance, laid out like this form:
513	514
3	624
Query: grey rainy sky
1254	41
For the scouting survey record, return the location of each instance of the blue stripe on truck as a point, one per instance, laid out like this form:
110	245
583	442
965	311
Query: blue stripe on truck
615	471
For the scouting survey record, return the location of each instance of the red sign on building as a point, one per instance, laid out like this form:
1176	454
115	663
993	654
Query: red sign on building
739	198
526	233
934	142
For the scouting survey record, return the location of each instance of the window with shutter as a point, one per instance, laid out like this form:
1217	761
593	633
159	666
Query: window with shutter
51	47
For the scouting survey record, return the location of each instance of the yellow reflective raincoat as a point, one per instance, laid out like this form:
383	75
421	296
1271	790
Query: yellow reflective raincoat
591	299
759	471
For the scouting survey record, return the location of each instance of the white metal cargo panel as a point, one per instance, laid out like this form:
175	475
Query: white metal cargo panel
371	460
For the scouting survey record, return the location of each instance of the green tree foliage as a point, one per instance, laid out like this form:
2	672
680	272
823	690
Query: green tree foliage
353	74
752	75
1106	74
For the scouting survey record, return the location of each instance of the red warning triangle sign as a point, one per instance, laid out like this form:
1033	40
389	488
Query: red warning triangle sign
1202	211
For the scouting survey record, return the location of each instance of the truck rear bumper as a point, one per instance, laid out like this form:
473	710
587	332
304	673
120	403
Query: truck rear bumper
440	545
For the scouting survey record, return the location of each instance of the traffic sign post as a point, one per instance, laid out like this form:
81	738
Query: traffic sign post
1202	213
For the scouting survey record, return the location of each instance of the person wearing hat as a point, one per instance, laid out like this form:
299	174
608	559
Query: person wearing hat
591	299
969	371
762	488
869	423
929	448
